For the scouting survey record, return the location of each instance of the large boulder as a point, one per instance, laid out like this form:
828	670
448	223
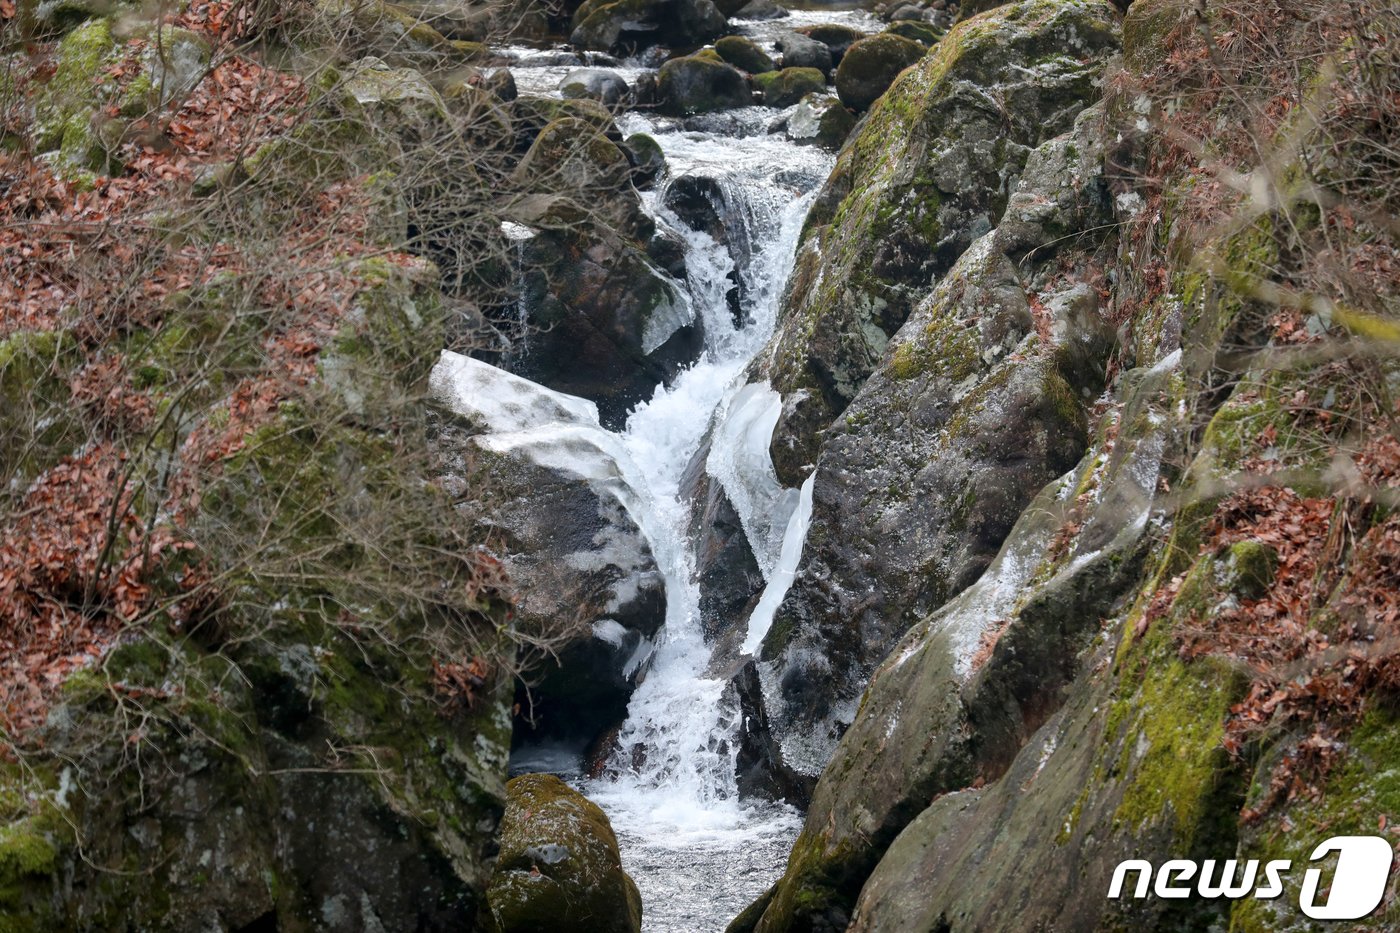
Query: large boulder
870	66
603	322
701	84
745	54
598	84
929	172
916	487
628	26
295	744
559	866
800	51
587	580
961	694
589	174
789	86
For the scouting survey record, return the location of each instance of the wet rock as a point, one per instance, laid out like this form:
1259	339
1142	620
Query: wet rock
821	119
544	476
598	84
835	36
559	866
759	762
799	51
870	67
787	87
648	161
700	84
930	171
729	576
917	486
745	54
965	691
926	34
761	10
608	325
589	172
627	26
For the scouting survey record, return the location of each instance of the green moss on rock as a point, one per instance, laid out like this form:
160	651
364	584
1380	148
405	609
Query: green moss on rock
559	867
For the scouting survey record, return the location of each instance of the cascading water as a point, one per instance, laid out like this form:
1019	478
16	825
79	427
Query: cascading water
698	852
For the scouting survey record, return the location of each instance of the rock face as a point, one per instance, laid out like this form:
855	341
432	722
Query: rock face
916	487
1063	712
611	326
585	572
559	866
929	172
870	66
627	26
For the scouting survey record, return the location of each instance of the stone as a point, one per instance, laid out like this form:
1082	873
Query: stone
745	54
559	868
822	120
625	27
698	84
648	161
835	36
598	84
789	86
870	66
800	51
761	10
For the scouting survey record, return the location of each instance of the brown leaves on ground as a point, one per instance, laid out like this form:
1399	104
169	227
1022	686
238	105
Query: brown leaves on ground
1325	635
74	569
82	548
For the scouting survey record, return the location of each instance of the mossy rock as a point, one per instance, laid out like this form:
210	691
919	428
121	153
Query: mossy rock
647	158
37	423
922	178
789	86
821	119
625	27
745	54
699	84
870	66
559	867
926	34
835	36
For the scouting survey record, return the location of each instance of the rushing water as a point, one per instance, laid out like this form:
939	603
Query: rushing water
698	852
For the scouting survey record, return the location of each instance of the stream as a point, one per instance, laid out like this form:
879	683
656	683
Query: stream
698	851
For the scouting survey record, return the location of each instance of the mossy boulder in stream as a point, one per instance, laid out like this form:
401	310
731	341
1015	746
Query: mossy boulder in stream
930	170
625	27
787	87
744	53
559	868
870	66
700	84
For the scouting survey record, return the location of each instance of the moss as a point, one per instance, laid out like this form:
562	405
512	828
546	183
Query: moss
745	54
787	87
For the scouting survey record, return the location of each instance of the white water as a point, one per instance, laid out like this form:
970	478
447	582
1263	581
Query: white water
698	852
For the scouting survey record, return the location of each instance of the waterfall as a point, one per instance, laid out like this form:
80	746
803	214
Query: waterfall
698	852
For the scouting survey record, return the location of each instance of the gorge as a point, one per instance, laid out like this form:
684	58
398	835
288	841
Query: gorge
683	466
